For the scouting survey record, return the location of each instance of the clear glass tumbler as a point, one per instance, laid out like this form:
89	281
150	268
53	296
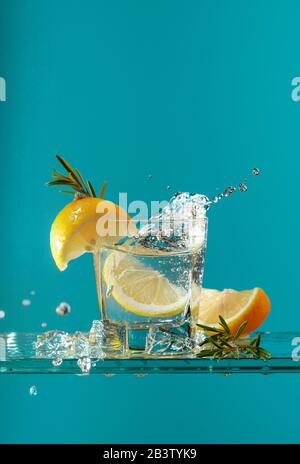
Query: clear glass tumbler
152	278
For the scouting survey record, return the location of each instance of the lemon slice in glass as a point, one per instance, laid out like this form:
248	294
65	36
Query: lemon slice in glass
141	289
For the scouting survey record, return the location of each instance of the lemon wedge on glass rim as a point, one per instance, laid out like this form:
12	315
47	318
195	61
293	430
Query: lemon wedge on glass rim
74	230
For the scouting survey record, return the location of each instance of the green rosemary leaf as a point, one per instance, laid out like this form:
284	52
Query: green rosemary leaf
258	340
60	182
92	189
265	354
69	168
218	345
219	354
209	329
67	191
241	329
83	183
251	349
205	353
58	175
254	340
103	189
224	324
224	342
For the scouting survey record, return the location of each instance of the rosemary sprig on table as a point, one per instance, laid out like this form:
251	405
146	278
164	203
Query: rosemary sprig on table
74	181
224	344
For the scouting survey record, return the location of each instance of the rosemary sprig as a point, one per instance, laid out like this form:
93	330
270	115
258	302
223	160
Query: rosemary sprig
224	344
74	181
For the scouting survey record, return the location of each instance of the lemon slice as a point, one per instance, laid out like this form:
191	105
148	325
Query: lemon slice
234	306
140	289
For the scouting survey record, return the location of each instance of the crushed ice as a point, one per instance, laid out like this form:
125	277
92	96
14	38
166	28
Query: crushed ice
165	342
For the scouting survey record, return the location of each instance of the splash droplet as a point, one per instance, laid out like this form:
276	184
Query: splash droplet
256	171
32	292
33	390
150	176
2	314
57	362
26	302
168	187
84	364
229	191
63	309
44	324
243	187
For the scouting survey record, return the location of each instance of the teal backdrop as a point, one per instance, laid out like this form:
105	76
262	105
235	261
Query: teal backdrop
195	93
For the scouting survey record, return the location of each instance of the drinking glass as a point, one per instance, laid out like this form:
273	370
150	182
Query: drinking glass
152	277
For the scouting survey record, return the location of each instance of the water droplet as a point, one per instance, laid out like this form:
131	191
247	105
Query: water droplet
227	374
57	362
243	187
229	191
26	302
149	176
32	292
2	314
44	324
33	390
63	309
109	374
168	187
255	171
266	370
84	364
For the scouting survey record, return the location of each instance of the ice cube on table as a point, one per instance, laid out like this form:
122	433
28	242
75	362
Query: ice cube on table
162	341
54	344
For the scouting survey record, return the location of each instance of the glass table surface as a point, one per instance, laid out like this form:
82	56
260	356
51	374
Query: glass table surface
18	356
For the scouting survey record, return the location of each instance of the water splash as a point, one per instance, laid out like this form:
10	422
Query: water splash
255	171
229	191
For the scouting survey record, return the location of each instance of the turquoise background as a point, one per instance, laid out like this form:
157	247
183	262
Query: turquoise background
195	93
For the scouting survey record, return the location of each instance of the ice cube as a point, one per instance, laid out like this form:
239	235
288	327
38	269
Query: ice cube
54	344
80	344
168	342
